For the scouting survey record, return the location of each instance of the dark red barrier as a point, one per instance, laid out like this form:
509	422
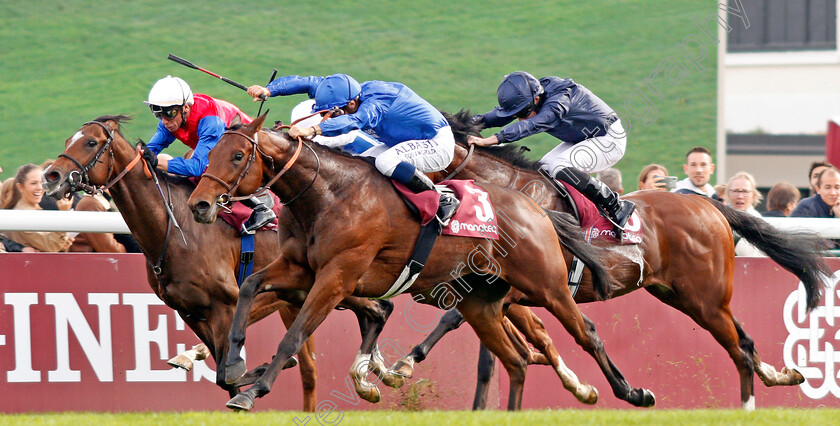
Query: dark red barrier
84	332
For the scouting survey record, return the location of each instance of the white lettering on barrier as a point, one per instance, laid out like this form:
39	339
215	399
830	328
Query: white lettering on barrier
99	350
23	371
803	349
69	315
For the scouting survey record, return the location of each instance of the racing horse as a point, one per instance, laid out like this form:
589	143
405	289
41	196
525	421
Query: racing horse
356	229
197	279
686	260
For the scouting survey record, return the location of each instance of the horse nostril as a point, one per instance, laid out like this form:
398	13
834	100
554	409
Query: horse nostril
51	176
202	207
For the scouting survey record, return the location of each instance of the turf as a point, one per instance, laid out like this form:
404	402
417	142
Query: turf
445	418
64	63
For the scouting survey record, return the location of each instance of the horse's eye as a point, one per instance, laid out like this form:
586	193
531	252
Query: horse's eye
91	142
238	156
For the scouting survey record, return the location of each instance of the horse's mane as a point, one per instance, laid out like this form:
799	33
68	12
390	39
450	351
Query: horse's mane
463	126
119	119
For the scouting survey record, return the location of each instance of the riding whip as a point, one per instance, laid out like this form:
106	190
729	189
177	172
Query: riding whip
187	63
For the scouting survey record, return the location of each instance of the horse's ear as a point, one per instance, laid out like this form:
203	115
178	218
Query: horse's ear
112	125
257	124
235	121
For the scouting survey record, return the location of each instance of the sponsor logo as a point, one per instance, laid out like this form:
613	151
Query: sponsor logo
809	346
456	227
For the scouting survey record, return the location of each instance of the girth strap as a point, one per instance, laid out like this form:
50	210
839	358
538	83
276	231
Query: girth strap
412	269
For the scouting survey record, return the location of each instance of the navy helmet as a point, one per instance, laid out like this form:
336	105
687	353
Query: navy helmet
335	91
516	93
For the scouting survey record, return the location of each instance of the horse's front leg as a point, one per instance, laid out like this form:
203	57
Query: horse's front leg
333	282
281	270
450	321
372	315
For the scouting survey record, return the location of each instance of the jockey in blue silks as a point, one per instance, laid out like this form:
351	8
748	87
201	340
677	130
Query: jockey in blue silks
591	135
418	137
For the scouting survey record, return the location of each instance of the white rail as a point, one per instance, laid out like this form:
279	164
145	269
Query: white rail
73	221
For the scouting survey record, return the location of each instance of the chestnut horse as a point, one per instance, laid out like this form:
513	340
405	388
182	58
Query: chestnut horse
198	280
358	236
687	261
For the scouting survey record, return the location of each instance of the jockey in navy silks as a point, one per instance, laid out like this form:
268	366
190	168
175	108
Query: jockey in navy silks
590	131
418	137
198	121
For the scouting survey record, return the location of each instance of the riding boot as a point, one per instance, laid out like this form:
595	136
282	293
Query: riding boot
262	214
419	182
616	210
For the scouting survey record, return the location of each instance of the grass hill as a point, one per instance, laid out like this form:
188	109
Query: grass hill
64	63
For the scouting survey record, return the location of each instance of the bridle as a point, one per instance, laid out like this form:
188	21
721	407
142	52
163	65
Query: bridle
79	179
228	197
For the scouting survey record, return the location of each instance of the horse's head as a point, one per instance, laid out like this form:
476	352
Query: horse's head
234	169
80	166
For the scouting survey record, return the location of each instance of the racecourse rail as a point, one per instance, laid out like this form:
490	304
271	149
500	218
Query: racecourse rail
73	221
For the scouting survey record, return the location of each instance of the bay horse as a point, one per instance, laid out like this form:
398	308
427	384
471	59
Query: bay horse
357	234
687	261
198	279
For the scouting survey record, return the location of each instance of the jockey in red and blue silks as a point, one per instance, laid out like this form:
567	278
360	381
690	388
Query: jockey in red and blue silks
198	121
417	136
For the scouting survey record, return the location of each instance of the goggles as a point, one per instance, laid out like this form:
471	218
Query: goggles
168	112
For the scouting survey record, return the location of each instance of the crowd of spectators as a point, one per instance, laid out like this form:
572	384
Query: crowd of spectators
23	191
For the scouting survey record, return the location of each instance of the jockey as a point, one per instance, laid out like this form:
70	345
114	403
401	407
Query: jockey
417	136
356	142
591	135
198	121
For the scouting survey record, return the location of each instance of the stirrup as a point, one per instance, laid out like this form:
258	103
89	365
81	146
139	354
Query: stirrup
625	211
451	205
253	224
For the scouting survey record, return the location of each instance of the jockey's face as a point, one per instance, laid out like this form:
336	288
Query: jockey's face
175	123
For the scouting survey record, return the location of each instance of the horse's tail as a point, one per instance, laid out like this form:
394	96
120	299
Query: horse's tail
798	252
571	237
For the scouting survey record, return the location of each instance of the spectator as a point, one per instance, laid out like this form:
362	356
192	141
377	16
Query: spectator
781	200
742	194
612	178
699	168
813	173
25	194
720	191
825	202
652	177
101	242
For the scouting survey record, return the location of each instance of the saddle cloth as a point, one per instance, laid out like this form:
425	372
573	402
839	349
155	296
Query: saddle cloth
596	226
475	217
239	213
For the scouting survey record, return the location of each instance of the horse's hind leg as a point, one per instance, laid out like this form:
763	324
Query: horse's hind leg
532	327
486	320
715	317
450	321
486	367
186	359
372	315
766	372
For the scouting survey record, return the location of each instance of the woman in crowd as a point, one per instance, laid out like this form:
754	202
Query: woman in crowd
653	177
25	193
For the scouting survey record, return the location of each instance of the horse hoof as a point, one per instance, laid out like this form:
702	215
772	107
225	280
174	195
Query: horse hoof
292	362
234	372
404	367
392	379
370	394
796	378
181	361
590	397
240	402
648	398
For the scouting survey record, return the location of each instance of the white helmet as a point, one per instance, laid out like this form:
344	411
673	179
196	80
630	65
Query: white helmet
170	91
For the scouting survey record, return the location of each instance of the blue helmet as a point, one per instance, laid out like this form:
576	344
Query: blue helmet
335	91
517	92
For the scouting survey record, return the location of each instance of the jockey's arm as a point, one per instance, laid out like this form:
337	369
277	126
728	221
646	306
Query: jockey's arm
160	140
287	85
209	131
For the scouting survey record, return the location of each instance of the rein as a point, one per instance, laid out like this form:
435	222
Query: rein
463	163
227	197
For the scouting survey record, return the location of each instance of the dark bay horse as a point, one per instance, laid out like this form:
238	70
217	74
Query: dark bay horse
197	280
686	260
357	236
